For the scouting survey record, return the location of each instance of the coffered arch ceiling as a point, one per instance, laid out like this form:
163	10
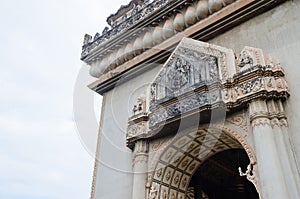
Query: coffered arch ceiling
186	153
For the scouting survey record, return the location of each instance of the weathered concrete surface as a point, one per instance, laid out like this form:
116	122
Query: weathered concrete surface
114	176
277	32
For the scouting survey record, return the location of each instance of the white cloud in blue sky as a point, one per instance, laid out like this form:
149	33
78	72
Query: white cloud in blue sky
41	155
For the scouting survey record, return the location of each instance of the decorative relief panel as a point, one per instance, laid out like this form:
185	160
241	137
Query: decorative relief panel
239	120
202	77
190	80
137	123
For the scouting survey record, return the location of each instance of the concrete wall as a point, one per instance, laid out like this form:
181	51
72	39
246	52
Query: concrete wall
277	32
114	175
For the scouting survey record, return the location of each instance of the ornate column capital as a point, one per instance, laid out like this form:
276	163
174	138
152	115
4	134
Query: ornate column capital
140	152
267	112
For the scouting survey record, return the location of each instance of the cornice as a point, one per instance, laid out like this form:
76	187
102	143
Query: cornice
203	30
150	15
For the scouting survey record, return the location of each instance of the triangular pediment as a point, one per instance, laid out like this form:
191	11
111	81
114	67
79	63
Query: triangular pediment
192	65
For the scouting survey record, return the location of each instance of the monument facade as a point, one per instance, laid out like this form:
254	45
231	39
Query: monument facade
199	100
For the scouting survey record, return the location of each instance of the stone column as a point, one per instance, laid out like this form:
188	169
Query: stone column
271	177
140	167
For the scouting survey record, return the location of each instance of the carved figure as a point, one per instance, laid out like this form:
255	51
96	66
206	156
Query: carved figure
245	59
153	193
177	76
139	106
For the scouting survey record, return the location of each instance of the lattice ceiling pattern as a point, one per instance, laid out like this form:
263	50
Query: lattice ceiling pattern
183	157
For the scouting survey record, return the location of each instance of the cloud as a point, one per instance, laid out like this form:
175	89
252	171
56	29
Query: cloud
41	155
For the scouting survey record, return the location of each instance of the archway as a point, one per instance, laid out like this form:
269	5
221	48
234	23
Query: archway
178	172
218	177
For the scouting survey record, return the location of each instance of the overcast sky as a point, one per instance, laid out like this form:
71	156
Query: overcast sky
41	152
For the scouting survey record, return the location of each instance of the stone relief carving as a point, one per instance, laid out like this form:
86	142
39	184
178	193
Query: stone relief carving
153	192
137	123
196	80
196	75
184	72
245	60
178	75
140	106
250	57
239	120
128	20
198	101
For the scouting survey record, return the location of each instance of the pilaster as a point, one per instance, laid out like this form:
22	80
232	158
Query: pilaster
272	183
136	131
140	167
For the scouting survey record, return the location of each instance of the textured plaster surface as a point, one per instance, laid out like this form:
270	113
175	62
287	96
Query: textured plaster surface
114	179
277	32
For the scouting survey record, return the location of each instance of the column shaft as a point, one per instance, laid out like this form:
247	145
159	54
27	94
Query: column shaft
140	167
271	178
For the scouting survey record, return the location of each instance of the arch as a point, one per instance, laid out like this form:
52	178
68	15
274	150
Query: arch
186	152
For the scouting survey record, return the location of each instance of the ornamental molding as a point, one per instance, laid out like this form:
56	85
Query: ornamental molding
125	19
269	113
239	120
160	24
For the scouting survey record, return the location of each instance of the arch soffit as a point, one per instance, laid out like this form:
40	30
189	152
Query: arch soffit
179	158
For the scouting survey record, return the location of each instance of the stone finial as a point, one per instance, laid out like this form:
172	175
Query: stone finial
87	39
105	30
97	35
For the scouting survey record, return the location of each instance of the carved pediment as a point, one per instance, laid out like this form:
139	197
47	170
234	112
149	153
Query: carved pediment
195	69
202	77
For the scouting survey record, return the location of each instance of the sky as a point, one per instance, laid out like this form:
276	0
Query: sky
43	153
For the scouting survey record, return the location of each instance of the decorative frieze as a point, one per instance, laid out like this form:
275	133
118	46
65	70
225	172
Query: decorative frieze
136	130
